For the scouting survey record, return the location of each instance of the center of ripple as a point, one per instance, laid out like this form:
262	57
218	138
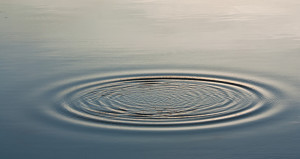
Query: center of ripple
163	100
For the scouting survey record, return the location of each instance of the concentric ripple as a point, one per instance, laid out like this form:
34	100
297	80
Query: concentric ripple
164	101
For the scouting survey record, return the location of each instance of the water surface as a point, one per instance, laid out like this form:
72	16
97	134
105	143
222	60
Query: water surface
149	79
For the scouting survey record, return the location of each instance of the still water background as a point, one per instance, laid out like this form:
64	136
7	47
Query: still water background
53	53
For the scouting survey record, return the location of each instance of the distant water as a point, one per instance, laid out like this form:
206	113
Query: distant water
149	79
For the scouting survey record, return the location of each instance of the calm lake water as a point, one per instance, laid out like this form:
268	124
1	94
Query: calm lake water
149	79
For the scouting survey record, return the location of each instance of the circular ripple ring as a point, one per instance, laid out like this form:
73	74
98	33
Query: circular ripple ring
161	102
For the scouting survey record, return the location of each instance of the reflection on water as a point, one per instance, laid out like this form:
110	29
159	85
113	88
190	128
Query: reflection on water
164	79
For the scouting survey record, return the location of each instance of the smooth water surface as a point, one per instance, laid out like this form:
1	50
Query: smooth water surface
149	79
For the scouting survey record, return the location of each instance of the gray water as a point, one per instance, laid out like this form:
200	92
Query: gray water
149	79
